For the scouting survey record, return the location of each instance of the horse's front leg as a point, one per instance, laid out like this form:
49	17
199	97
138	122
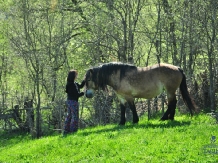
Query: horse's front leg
134	112
123	117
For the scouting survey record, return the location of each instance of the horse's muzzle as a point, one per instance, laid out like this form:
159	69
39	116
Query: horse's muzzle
89	94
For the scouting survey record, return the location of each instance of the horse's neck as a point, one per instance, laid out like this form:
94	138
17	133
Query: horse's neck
114	81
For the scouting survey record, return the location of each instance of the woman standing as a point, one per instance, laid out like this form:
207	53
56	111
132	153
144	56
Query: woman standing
73	94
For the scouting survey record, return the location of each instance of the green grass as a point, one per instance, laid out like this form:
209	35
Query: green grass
149	141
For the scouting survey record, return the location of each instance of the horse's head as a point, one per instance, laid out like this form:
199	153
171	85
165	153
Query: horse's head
97	78
91	85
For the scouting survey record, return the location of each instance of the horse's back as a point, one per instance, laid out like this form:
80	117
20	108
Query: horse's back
160	67
167	74
161	71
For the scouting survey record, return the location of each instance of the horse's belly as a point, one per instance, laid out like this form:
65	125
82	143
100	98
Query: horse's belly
148	92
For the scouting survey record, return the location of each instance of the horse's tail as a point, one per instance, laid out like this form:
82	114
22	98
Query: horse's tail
185	94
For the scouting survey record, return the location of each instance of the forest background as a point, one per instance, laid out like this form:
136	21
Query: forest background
40	41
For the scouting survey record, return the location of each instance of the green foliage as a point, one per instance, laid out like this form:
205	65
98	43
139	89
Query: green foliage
149	141
40	41
60	35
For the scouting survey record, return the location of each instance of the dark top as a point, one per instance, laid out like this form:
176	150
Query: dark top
73	90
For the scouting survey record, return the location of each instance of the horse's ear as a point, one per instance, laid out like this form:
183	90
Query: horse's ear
88	73
91	71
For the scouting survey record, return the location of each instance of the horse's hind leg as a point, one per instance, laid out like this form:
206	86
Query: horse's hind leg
123	117
165	116
134	113
172	106
170	113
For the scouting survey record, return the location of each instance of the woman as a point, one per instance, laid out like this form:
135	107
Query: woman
73	94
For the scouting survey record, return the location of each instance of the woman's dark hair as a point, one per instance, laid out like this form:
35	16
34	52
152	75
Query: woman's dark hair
71	75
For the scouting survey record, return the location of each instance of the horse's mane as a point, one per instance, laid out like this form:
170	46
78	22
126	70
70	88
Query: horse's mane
102	73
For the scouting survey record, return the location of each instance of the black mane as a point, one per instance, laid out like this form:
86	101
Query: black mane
101	74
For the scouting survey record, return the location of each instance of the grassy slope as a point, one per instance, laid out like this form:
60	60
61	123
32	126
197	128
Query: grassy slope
149	141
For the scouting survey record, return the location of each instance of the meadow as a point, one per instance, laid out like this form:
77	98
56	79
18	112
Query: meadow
182	140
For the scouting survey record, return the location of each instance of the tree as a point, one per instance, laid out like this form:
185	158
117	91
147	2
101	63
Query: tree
41	36
113	30
210	27
6	61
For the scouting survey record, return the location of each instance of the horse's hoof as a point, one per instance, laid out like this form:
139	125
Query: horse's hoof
136	120
172	119
163	119
121	123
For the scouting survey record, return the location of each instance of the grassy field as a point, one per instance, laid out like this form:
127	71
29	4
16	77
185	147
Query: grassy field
182	140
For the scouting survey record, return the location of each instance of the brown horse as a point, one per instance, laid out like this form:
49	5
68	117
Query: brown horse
129	82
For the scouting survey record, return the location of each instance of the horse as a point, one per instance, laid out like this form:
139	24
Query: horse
130	82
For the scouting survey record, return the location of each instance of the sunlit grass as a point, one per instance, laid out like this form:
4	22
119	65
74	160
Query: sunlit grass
149	141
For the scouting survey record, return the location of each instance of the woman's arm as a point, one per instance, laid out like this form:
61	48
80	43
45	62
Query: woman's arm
82	84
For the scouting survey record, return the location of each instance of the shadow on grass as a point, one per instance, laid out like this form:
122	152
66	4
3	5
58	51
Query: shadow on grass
12	137
164	124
